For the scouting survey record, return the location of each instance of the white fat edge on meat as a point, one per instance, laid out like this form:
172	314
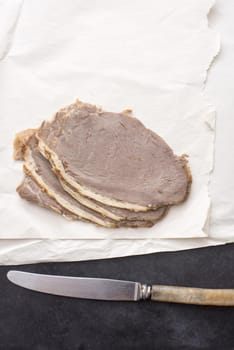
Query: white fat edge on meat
31	167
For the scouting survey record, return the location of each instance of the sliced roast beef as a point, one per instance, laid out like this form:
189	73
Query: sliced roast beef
40	170
113	159
116	214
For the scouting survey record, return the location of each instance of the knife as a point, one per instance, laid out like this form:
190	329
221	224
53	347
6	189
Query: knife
117	290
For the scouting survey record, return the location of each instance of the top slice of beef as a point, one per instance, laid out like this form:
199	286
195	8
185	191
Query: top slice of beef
113	159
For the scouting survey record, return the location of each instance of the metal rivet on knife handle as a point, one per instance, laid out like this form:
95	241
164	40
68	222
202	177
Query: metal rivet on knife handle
145	292
197	296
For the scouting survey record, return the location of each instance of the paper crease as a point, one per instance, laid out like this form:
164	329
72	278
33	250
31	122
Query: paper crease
10	34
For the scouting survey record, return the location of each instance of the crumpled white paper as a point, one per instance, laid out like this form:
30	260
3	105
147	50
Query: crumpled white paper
150	57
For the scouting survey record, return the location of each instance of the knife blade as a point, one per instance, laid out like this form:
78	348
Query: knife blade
118	290
77	287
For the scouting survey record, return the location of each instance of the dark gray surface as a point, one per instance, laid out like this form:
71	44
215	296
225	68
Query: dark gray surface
34	321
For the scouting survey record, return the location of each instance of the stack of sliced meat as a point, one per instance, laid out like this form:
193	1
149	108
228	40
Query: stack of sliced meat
101	167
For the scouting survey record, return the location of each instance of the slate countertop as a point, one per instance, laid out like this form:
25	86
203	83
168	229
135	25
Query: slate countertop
34	321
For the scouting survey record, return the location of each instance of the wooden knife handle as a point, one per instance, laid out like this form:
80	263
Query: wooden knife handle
197	296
